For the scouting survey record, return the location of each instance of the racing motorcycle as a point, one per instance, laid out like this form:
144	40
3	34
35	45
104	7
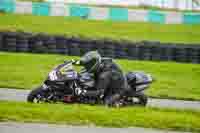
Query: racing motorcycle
65	84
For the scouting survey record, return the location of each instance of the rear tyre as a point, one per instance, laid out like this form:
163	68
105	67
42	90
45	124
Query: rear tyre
35	95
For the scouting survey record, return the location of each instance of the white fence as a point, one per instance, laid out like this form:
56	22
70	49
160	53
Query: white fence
176	4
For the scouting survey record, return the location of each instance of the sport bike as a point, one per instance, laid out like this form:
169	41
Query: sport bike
65	84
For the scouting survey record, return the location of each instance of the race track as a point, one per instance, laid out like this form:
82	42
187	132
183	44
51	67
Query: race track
10	127
20	95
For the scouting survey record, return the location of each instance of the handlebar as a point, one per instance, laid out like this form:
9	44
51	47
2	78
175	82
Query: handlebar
74	62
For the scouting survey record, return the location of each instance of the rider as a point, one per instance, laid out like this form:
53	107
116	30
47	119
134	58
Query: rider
109	77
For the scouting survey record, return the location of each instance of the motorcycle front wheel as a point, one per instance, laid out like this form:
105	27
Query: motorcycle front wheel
36	96
142	99
137	100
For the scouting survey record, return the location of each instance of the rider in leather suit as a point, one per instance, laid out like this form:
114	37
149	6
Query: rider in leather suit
109	78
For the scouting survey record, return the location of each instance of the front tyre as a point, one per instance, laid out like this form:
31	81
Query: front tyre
35	96
142	99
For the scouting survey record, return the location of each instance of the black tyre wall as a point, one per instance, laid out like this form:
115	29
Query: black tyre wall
1	41
144	50
9	41
22	42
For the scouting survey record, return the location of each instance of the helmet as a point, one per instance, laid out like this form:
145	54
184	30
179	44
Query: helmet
91	61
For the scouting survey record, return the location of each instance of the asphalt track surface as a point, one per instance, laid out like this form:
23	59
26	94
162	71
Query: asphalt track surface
20	95
10	127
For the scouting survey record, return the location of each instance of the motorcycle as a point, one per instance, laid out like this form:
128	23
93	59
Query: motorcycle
65	84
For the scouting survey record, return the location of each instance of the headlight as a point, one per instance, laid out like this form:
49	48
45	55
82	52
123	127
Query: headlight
150	78
53	76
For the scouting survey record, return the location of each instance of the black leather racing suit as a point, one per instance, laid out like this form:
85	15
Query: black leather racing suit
110	79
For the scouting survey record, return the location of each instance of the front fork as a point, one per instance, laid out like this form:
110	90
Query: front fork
45	87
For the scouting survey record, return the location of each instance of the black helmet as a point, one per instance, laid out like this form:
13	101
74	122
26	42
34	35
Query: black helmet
91	61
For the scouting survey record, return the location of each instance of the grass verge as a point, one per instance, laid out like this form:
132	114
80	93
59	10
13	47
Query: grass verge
173	80
170	119
181	33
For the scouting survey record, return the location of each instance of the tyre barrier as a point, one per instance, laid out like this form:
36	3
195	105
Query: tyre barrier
50	44
108	48
1	40
36	44
9	41
99	46
193	55
84	45
166	52
61	45
121	50
144	50
73	46
178	55
133	51
22	42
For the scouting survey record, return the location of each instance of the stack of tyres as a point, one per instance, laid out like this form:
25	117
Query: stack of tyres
156	53
132	51
166	53
23	42
163	52
85	45
198	55
98	45
144	52
155	50
50	44
188	57
61	45
192	55
9	41
121	50
36	44
148	53
174	54
73	46
140	52
179	54
1	41
185	54
109	48
94	43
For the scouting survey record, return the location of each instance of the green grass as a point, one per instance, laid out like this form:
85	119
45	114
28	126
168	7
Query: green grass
101	29
170	119
173	80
